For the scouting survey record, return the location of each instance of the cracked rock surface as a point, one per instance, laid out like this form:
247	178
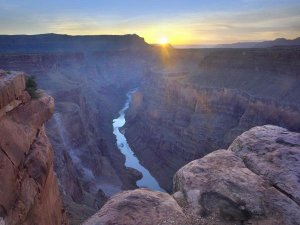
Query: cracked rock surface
256	181
29	192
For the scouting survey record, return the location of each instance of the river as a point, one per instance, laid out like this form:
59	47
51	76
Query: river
132	161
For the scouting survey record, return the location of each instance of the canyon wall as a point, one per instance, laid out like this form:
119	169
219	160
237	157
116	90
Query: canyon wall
182	113
89	89
189	103
254	181
29	191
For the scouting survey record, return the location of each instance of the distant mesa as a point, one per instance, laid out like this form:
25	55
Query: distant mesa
279	42
67	43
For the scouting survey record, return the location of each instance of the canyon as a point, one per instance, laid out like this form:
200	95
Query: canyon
89	89
195	103
189	103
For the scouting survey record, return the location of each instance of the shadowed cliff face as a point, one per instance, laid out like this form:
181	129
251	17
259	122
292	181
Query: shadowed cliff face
89	89
183	113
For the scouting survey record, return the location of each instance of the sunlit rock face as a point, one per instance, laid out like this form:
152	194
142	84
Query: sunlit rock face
29	192
197	102
254	181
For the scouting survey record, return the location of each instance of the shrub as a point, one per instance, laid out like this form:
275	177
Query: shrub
31	87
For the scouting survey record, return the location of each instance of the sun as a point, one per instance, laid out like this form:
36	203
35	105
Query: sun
163	40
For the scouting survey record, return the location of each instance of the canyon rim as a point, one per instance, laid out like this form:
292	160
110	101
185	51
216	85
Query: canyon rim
152	113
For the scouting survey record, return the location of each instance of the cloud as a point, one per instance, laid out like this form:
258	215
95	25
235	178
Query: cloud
182	27
246	26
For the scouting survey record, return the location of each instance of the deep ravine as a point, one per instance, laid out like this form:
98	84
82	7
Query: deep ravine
131	160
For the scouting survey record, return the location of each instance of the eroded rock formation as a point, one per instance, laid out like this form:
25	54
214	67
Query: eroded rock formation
190	103
28	190
89	89
195	104
255	181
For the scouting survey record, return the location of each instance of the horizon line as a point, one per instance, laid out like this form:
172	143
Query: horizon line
202	45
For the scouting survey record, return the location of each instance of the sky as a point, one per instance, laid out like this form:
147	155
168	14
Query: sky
182	22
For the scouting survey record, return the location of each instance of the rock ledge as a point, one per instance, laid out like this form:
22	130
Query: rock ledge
255	181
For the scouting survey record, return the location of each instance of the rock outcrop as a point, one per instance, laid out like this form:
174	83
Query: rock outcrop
140	206
255	181
28	190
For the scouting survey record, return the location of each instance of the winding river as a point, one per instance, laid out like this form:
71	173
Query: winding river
148	180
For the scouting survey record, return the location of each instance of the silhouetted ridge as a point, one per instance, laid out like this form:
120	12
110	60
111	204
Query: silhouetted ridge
61	43
265	44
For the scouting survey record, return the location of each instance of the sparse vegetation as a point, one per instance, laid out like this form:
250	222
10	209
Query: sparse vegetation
31	87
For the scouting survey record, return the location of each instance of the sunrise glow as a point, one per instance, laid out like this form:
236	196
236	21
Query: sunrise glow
163	40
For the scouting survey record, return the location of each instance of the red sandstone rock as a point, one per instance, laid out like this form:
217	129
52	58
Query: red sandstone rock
12	84
28	190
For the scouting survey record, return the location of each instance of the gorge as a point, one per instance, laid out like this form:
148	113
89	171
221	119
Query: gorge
190	104
131	160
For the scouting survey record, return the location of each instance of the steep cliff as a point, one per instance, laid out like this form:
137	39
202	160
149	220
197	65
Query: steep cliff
255	181
181	113
191	102
89	89
28	190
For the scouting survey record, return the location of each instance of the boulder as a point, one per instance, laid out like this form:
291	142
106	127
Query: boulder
273	153
140	206
12	85
226	186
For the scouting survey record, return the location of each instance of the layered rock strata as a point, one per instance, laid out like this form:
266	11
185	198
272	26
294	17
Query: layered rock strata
89	89
28	190
172	122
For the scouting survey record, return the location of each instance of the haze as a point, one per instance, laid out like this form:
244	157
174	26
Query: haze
183	22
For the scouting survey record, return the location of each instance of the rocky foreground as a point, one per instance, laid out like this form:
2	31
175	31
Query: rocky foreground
29	193
255	181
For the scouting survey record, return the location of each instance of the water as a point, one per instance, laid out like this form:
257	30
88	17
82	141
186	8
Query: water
131	160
